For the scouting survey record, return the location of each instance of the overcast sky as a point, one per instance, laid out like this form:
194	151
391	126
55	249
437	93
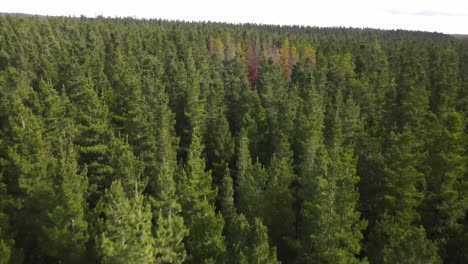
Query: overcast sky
448	16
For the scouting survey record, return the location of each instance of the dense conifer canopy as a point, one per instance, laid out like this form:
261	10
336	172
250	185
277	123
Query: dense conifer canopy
149	141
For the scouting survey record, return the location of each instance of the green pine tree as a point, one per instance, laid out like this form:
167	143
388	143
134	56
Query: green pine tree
246	243
251	181
397	237
205	243
94	137
67	230
237	93
445	201
226	194
27	165
6	244
279	215
219	145
170	229
261	251
124	227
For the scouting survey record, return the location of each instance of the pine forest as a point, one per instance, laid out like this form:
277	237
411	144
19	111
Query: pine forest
151	141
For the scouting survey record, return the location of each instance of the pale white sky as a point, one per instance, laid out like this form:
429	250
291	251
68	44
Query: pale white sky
448	16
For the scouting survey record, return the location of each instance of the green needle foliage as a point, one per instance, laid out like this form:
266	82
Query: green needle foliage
152	141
